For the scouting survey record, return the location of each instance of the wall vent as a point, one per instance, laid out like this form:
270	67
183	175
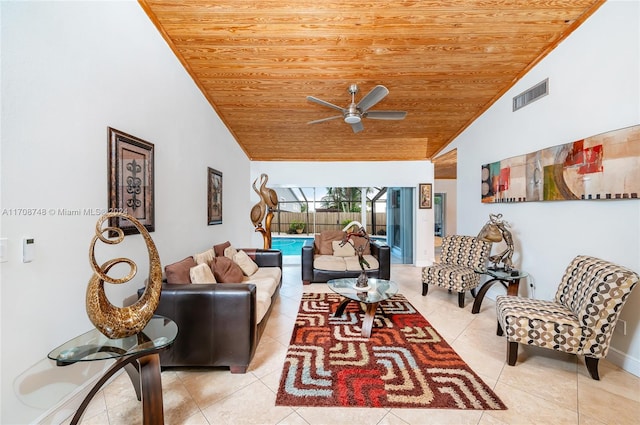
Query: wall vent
531	95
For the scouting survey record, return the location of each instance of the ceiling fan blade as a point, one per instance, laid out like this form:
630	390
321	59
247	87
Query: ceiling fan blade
357	127
324	119
385	115
374	96
325	103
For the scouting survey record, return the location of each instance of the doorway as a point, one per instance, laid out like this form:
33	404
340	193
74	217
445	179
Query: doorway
400	224
439	216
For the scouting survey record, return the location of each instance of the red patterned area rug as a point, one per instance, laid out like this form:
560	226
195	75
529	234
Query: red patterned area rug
405	362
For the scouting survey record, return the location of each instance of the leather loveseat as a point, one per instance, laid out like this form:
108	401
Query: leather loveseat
217	322
319	262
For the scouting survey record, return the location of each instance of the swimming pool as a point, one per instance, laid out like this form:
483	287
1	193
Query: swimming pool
289	246
293	246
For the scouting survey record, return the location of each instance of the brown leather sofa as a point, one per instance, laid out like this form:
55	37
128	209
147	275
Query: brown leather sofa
216	322
379	250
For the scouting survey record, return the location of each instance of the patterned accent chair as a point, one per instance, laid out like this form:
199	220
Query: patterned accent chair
581	318
462	259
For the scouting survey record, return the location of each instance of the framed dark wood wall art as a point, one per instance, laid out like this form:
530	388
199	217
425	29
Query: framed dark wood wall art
131	180
425	196
214	196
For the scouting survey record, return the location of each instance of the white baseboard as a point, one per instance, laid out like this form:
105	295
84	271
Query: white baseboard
624	361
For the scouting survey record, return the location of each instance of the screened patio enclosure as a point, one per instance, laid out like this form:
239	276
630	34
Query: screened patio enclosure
386	213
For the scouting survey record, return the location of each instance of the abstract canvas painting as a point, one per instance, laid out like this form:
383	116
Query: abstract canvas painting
606	166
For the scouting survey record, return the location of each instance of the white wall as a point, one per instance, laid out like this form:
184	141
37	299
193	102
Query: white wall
69	70
359	174
449	188
594	88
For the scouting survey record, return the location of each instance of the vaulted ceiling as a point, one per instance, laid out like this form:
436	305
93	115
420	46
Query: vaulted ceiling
443	62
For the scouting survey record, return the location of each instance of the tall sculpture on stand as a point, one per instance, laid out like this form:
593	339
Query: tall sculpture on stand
495	230
267	204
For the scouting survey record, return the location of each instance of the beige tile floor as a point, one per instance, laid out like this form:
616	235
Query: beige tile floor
545	387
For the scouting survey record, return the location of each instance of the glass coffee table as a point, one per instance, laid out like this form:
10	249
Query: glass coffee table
378	290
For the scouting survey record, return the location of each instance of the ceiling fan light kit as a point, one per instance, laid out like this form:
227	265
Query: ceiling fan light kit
354	113
352	118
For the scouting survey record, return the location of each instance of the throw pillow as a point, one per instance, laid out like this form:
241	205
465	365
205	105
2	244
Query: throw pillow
226	271
362	241
202	274
325	247
229	252
248	266
342	251
204	257
179	272
219	249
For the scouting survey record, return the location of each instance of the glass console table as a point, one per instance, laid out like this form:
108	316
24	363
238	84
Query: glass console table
509	279
137	354
378	290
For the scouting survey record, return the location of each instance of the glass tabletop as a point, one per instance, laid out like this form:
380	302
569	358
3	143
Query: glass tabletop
506	275
378	290
93	345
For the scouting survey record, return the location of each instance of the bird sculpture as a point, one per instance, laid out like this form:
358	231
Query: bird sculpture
258	211
269	196
264	209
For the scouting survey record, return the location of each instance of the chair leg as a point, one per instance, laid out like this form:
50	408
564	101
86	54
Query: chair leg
512	353
499	330
461	299
425	289
592	367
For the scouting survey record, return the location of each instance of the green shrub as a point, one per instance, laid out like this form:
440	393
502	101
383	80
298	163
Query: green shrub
295	226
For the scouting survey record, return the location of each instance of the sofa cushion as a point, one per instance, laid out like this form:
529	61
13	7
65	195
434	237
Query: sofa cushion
358	241
263	302
352	263
346	250
272	273
219	249
248	266
323	241
204	257
230	251
266	280
329	262
179	272
202	274
226	271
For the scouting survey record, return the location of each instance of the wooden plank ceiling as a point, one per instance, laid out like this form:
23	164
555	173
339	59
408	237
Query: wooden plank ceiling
444	63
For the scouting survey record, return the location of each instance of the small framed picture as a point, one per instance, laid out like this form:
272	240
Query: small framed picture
214	197
425	196
131	180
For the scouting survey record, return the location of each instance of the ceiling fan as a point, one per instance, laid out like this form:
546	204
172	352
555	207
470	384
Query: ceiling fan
355	112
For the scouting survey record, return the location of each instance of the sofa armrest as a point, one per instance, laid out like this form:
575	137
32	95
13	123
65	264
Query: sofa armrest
216	323
382	252
306	264
265	257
